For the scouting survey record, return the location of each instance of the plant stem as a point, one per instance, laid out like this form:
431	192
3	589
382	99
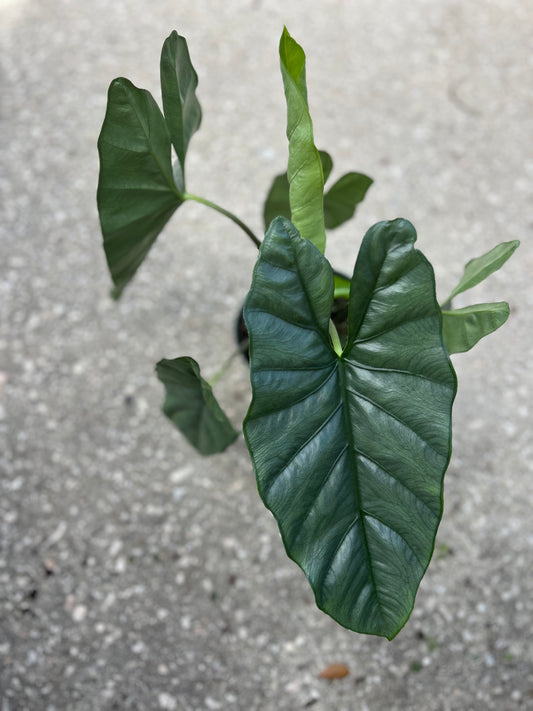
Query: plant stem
227	213
222	370
335	340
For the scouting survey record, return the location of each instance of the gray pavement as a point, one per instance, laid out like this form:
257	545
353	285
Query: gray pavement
135	574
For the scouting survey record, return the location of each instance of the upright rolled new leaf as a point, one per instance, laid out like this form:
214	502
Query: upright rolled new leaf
179	80
277	203
350	451
304	172
136	190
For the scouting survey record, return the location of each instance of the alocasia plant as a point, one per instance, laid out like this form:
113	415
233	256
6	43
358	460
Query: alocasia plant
349	429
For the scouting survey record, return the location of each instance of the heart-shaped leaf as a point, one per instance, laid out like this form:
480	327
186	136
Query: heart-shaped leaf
304	171
463	328
179	80
277	203
478	269
136	191
192	407
350	452
343	197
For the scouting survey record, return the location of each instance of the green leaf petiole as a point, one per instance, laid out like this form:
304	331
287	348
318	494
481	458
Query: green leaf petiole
226	213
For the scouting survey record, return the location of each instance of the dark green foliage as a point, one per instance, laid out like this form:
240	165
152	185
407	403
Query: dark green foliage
191	406
349	429
362	441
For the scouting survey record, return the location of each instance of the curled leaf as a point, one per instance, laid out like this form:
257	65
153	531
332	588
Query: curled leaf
192	407
463	328
179	80
136	193
304	172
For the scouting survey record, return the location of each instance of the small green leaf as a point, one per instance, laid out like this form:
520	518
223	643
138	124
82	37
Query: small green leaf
350	452
478	269
179	80
463	328
327	164
136	191
277	203
304	172
342	287
192	407
343	197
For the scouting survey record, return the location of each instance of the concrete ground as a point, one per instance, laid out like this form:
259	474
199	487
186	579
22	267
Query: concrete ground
135	574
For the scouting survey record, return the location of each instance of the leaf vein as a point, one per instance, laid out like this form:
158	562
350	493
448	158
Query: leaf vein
365	455
397	533
321	487
300	449
390	329
293	403
371	368
380	407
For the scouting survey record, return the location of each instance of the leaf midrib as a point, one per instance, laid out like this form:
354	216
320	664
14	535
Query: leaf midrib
355	469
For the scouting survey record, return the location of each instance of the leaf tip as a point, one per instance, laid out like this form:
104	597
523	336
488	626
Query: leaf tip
116	292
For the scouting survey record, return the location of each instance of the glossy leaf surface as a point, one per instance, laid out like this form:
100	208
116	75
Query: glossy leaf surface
478	269
136	191
304	171
463	328
192	407
179	80
343	197
350	452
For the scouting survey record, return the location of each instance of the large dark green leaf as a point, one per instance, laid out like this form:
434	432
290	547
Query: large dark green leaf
178	86
192	407
350	452
343	197
304	171
463	328
136	190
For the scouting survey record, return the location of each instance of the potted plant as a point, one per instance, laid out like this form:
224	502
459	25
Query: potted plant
349	428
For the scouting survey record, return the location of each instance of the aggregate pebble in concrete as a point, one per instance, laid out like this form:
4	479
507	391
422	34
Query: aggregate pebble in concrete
133	573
